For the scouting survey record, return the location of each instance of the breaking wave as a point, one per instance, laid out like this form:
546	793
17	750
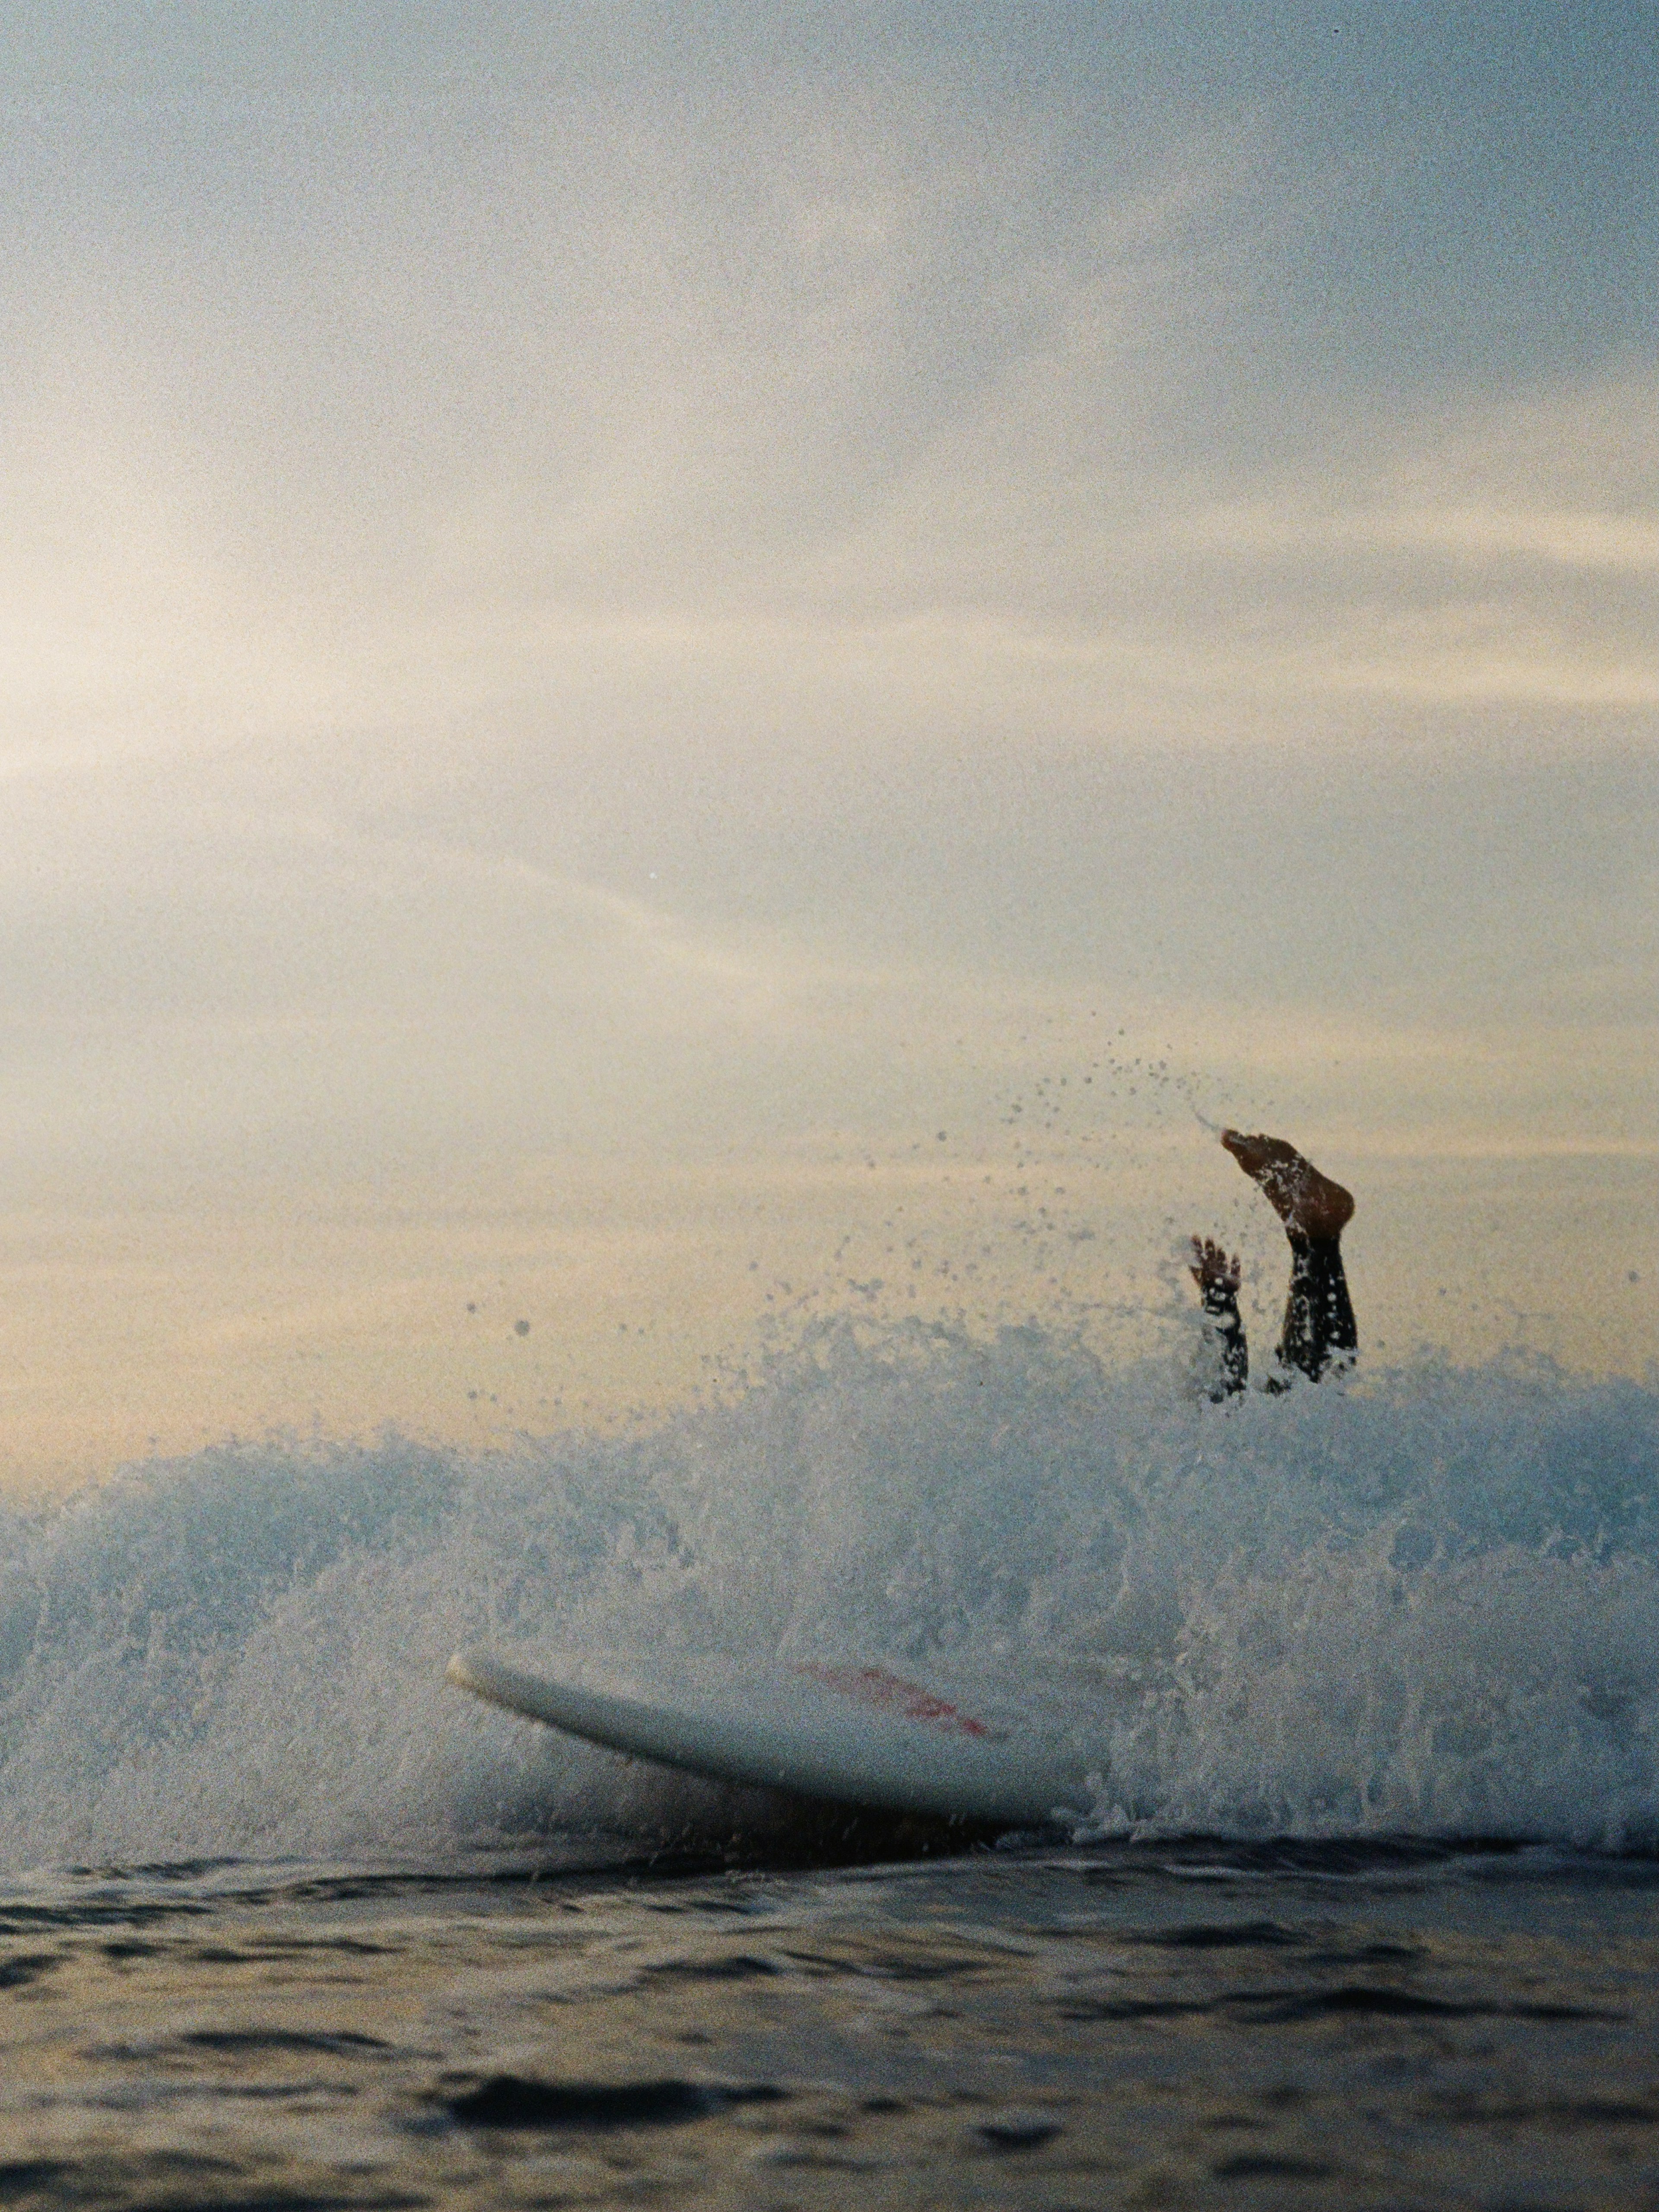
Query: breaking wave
1425	1604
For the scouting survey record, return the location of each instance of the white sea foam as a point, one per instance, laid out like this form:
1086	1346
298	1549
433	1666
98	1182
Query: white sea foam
1429	1604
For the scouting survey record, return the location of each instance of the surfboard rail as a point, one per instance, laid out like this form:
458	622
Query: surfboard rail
861	1736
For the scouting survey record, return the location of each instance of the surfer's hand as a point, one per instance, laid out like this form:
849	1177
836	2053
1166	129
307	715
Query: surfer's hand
1217	1273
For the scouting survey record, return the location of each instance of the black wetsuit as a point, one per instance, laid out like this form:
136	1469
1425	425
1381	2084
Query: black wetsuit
1319	1332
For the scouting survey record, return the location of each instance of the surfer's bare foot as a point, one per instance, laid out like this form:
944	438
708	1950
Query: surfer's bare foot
1218	1276
1303	1198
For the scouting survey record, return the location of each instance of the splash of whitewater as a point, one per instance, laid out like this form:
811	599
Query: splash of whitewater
1426	1605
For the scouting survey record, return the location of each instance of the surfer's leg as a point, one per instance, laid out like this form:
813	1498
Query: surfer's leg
1217	1277
1320	1330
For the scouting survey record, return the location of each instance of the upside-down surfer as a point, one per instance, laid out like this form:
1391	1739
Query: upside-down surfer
1319	1332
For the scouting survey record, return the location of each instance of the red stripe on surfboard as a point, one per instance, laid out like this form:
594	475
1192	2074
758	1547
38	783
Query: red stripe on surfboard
874	1686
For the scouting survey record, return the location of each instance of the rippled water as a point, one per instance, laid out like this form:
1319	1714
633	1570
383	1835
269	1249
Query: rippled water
1201	2024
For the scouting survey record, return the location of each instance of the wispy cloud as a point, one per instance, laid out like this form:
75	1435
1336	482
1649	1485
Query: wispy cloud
551	599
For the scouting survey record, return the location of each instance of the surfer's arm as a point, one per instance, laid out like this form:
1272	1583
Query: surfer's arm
1217	1277
1229	1328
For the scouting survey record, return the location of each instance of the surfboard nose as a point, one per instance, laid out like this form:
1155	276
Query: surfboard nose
483	1676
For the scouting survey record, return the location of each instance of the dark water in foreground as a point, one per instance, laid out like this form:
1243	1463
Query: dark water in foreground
1137	2025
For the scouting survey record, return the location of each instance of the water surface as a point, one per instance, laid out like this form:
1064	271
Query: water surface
1194	2024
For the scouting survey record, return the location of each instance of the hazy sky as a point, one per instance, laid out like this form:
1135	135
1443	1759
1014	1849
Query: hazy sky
610	611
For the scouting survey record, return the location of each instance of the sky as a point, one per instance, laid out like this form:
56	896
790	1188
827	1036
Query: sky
613	617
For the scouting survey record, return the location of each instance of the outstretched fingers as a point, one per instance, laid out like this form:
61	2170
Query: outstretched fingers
1216	1271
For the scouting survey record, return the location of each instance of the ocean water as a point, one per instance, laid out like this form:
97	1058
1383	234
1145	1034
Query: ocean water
1364	1910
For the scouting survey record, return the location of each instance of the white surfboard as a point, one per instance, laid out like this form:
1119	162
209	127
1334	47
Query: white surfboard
856	1735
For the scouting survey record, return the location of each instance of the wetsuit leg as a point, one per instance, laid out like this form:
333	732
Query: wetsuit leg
1221	1305
1319	1329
